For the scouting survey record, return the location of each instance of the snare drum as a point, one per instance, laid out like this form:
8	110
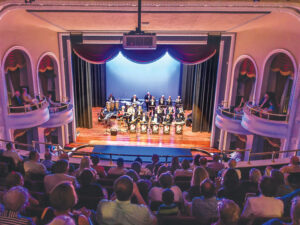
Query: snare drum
112	105
117	105
108	106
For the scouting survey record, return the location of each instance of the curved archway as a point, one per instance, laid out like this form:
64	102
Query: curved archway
279	72
47	71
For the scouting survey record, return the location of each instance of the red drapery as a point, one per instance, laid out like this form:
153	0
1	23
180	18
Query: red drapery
46	64
14	61
247	68
283	64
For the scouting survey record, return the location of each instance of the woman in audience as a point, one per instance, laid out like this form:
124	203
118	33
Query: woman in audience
84	163
196	161
168	208
231	187
185	171
14	201
98	168
174	165
62	199
282	188
228	213
250	187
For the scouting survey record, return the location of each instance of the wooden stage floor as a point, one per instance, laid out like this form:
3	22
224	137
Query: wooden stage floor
97	135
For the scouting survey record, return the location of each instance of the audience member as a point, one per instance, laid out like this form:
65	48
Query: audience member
168	208
60	175
119	170
199	175
33	165
62	220
216	165
136	166
162	169
153	167
121	211
185	171
47	162
174	165
293	167
264	205
231	164
251	185
144	187
204	208
134	176
84	163
11	153
98	168
165	181
196	161
17	100
62	200
14	201
268	170
228	213
282	188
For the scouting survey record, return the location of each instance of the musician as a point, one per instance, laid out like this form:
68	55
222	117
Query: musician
162	101
167	119
178	118
139	112
180	111
155	119
134	99
111	98
132	119
178	102
144	118
122	111
169	101
147	98
170	110
160	112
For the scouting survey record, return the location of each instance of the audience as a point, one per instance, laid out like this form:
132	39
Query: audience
98	168
231	164
47	162
62	220
134	176
84	163
121	211
199	175
17	100
250	186
293	167
174	165
168	208
153	167
282	188
196	161
228	213
60	175
204	208
119	170
14	201
215	166
33	165
11	153
185	171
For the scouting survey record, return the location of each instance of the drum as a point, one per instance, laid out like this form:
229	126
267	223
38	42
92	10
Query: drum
178	128
144	128
166	129
155	128
112	105
108	106
131	110
132	128
117	105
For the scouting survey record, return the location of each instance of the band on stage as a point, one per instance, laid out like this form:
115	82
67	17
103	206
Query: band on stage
161	113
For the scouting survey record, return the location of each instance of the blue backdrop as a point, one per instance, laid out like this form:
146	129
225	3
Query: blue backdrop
125	78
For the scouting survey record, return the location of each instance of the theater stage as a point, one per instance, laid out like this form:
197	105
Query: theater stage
98	136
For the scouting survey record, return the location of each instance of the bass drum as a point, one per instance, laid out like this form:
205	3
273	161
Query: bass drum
155	129
132	128
144	128
166	129
178	129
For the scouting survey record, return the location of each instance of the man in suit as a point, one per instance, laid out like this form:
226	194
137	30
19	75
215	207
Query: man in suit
162	101
111	98
169	101
17	100
134	99
147	98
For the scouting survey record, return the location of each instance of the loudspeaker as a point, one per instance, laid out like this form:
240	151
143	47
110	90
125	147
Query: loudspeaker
113	132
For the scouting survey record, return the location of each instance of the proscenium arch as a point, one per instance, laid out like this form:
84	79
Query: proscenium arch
56	69
266	69
236	68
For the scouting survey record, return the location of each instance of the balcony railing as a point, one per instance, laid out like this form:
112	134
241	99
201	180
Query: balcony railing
59	108
27	108
256	111
229	113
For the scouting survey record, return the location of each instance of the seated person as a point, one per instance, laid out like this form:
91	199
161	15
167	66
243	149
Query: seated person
98	168
111	98
160	112
152	102
178	118
185	171
47	162
168	119
144	118
33	165
264	102
139	112
14	201
169	101
17	100
132	119
162	101
119	170
51	102
134	99
239	107
228	213
170	110
168	208
11	153
178	102
155	119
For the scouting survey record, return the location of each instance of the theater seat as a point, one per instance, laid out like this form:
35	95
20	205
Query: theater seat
90	202
177	220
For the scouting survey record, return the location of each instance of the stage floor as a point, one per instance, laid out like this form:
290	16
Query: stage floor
98	136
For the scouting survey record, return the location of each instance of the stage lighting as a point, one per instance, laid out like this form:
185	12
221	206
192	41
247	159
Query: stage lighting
28	1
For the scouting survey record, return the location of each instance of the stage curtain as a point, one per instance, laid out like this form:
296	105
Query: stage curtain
46	64
15	60
204	91
98	77
283	64
82	92
187	85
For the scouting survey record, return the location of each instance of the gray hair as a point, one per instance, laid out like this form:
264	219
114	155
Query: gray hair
15	199
229	212
255	175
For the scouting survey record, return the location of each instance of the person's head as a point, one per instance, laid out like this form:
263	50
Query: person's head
136	166
61	166
169	97
155	158
207	188
84	163
277	176
144	187
196	160
199	175
229	212
86	177
168	196
295	210
255	175
62	220
134	96
185	164
203	161
268	170
166	180
175	161
216	158
14	179
34	155
152	97
64	156
266	96
48	156
15	199
267	187
17	93
155	115
231	179
123	188
110	95
131	173
9	146
294	160
95	160
161	169
120	162
232	163
148	93
63	197
24	90
178	97
138	159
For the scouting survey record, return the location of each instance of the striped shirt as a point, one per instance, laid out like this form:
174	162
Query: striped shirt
14	218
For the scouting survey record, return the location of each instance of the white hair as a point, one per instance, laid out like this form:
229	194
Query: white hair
15	199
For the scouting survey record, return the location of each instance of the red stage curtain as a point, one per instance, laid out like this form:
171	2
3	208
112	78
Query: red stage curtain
15	60
283	64
187	54
46	64
246	78
247	68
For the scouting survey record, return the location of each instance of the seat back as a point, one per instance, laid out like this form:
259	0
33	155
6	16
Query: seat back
177	220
